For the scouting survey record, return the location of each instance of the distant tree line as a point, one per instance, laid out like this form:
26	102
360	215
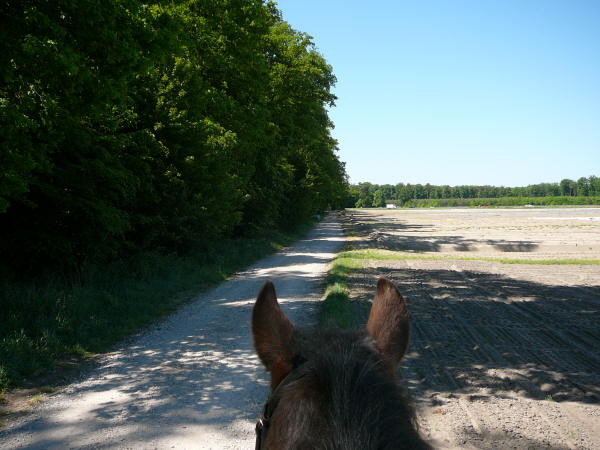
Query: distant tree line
365	195
129	125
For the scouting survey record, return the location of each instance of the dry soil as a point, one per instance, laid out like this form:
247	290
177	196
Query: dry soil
501	355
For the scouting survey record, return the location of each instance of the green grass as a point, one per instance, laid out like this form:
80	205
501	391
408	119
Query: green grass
35	399
391	255
505	201
44	323
336	307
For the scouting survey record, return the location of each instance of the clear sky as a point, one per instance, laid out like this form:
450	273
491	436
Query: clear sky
461	92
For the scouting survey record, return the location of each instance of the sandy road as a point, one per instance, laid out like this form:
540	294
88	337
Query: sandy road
192	381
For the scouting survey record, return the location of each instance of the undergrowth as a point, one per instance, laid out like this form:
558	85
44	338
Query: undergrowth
43	323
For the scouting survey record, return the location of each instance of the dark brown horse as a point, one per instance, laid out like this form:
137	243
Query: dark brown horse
334	389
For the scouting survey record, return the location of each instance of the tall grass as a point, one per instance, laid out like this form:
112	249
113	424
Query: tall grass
44	322
336	307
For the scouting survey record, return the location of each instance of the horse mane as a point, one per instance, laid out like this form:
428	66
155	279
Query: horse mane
335	389
347	399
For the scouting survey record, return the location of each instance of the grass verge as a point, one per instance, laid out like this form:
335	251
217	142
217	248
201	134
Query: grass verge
361	255
45	324
338	309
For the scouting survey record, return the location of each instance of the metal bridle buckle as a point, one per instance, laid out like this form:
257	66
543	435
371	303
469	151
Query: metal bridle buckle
260	424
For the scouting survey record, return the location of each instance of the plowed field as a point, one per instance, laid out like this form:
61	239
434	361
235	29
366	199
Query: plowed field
503	354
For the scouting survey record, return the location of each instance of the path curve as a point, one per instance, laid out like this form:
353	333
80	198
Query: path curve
192	381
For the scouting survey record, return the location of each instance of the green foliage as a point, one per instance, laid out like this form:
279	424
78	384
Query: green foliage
130	126
145	128
583	192
378	198
42	323
301	170
505	201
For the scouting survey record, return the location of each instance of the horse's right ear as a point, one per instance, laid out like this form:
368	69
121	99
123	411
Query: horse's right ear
272	332
388	322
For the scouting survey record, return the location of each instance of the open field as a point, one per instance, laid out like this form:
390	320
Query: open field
558	233
503	354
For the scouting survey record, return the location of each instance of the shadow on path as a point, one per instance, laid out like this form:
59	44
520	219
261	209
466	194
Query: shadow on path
192	380
474	330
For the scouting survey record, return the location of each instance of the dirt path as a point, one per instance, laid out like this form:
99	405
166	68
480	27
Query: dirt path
192	381
501	355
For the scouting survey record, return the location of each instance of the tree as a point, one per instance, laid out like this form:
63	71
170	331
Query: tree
567	187
594	182
300	92
126	126
583	187
368	194
378	198
66	181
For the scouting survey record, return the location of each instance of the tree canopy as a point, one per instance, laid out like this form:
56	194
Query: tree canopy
126	126
373	195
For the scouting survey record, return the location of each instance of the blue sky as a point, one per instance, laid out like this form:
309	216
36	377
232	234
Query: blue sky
461	92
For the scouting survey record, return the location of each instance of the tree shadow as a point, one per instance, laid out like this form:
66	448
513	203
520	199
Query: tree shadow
371	231
474	332
193	380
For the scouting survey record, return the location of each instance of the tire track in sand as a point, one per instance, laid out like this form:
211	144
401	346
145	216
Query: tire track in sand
488	350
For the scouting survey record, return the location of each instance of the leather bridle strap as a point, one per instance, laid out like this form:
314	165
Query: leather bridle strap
263	423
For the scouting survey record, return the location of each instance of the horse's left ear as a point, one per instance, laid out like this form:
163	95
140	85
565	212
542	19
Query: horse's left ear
272	332
388	322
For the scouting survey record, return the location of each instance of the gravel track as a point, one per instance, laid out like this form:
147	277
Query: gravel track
192	381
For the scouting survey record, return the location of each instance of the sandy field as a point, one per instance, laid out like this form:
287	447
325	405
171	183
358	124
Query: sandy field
561	233
501	355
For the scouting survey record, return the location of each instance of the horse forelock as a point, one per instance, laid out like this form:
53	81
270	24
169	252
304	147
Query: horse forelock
349	398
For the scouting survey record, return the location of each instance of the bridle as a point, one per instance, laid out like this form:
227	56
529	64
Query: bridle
263	423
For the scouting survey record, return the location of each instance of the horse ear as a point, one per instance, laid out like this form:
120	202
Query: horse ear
388	322
272	332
